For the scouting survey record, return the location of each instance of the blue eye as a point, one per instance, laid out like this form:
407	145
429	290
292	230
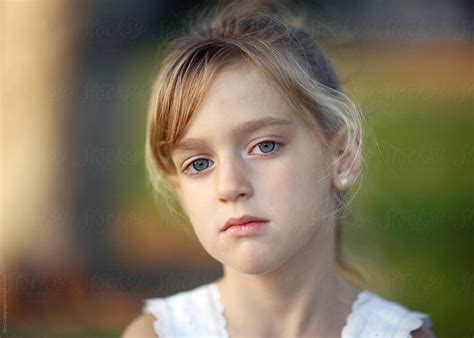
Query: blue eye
199	164
266	147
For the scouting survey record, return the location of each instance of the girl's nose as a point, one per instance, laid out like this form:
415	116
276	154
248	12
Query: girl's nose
232	180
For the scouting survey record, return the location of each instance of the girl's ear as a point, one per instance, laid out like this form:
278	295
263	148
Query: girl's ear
345	169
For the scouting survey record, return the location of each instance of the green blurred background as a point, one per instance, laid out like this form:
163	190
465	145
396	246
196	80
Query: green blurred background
84	243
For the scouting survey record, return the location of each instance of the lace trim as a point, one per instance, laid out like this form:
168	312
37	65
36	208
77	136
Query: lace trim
222	322
357	321
350	326
159	308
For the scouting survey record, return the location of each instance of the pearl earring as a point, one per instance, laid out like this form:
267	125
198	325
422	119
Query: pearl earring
343	180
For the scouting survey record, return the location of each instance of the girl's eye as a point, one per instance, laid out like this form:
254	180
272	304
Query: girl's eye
201	164
266	146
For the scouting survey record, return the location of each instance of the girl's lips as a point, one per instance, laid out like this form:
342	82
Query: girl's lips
247	229
242	221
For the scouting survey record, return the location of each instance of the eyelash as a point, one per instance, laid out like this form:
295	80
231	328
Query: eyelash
278	147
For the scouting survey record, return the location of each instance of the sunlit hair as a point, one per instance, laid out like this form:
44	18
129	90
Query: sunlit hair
281	50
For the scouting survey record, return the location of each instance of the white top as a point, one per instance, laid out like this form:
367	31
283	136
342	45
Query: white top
199	313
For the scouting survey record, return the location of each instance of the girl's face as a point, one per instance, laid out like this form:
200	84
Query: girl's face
230	166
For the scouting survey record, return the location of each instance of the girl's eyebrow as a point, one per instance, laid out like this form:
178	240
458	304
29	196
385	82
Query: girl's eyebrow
247	127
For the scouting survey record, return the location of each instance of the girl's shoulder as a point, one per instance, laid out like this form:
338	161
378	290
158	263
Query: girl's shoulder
188	313
142	326
373	315
183	313
423	332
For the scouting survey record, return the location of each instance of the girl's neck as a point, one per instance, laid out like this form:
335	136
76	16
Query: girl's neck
305	296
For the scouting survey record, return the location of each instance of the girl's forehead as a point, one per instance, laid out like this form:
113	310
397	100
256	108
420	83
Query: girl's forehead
238	102
242	88
241	80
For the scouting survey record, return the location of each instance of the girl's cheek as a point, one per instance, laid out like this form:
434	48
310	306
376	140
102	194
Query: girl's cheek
287	170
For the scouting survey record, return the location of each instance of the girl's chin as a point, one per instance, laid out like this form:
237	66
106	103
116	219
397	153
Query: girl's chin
253	265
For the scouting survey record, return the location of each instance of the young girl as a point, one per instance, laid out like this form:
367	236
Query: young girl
250	130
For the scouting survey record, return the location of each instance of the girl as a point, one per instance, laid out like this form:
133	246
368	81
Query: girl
250	130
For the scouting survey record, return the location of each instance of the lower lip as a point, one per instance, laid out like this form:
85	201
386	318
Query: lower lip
247	229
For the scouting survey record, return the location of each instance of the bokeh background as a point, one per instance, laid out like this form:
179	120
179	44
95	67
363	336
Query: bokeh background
83	242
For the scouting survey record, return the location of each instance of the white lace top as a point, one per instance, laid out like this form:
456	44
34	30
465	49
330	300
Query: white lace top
200	313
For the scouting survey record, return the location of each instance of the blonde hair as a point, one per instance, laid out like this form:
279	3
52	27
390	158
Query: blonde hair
286	54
